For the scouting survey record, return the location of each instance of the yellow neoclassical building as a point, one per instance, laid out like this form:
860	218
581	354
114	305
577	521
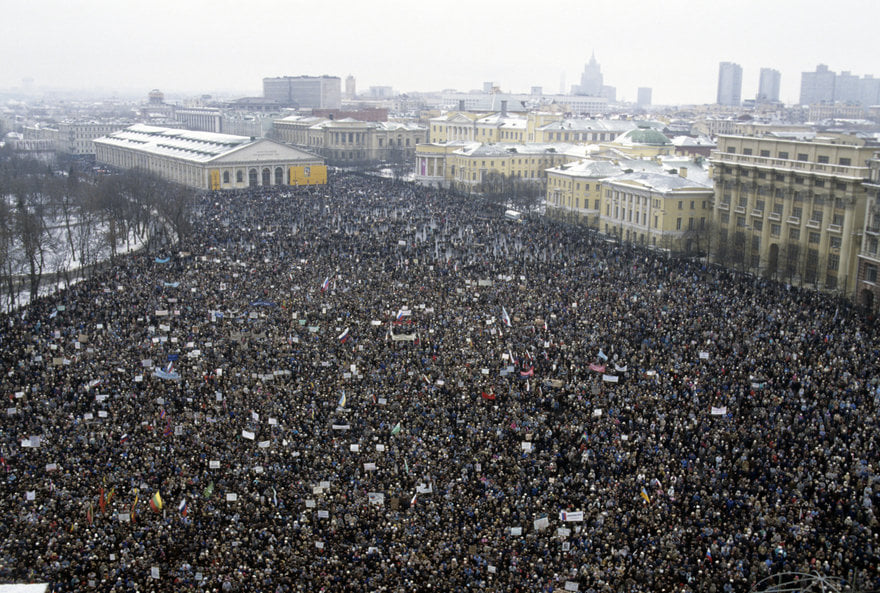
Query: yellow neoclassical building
205	160
793	210
351	142
466	165
663	202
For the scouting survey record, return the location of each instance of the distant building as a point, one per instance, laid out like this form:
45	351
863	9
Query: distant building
729	84
592	80
536	90
77	137
644	96
380	92
350	87
768	86
818	86
204	160
315	92
206	119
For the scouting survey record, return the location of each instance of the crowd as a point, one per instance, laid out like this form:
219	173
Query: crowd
377	387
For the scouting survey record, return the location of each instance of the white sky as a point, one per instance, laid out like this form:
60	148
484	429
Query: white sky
228	46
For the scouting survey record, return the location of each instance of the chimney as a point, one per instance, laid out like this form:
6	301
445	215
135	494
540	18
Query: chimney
504	108
683	172
461	104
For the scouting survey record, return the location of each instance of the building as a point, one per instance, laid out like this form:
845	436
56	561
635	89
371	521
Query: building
205	119
643	95
592	81
665	210
205	160
729	84
663	202
466	165
351	142
313	92
868	285
792	209
350	87
523	103
818	86
768	86
641	142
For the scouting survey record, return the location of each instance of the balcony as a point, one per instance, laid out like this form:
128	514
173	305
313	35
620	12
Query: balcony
740	209
834	228
726	158
814	224
723	206
793	220
774	216
757	213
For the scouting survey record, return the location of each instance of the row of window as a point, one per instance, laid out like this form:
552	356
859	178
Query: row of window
801	156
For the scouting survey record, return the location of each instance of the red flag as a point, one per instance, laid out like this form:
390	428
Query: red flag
489	396
102	504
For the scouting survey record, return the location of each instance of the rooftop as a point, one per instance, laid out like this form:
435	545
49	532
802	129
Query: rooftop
172	142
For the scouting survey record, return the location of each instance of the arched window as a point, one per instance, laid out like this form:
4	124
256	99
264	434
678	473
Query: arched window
279	176
252	178
239	176
225	176
267	176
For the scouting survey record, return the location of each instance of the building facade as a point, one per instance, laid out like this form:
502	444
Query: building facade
314	92
768	86
204	160
792	210
643	96
205	119
349	142
868	286
78	137
729	84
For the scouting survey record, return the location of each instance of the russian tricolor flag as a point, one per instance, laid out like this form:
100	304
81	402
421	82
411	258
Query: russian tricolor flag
326	284
343	336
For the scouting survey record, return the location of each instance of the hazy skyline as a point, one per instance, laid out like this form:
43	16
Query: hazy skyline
200	46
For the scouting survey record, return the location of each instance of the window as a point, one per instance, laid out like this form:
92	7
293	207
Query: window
837	219
756	243
777	209
835	242
759	205
702	222
762	175
783	154
794	234
797	212
775	229
799	179
833	261
817	216
802	156
845	162
239	176
819	183
758	225
814	238
740	221
747	151
840	186
871	273
731	150
693	204
823	159
680	203
225	176
765	153
678	224
690	224
725	217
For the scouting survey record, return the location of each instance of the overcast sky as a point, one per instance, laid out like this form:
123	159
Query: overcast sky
228	46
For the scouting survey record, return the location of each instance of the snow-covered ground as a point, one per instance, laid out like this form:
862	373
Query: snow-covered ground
61	263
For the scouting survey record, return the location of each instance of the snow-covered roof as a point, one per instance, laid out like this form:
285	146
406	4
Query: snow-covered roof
689	141
188	145
661	182
531	148
590	125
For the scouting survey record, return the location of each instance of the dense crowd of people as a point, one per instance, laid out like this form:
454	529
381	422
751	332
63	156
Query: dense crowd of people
372	386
